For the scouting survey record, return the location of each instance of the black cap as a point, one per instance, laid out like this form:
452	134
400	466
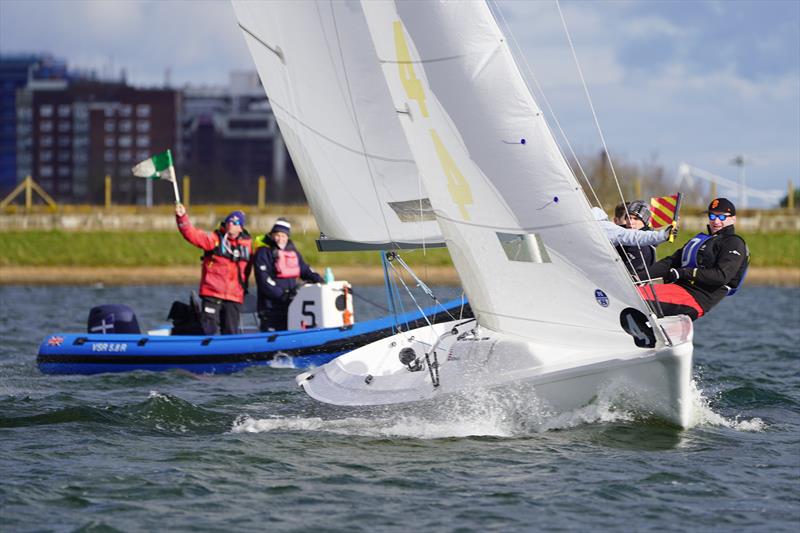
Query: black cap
722	205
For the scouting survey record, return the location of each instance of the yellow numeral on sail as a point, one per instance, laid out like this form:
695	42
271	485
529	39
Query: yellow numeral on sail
456	183
412	85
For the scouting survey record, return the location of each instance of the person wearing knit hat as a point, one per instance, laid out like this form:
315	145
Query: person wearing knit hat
709	267
226	267
278	267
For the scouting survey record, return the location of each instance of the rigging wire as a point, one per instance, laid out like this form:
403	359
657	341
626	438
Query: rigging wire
546	101
544	98
606	151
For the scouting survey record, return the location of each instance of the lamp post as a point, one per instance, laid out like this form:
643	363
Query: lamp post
741	199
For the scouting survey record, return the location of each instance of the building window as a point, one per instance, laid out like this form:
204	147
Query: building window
64	126
111	126
63	156
81	113
110	141
141	155
63	141
125	125
80	157
109	156
46	140
143	111
125	156
142	141
64	110
125	141
45	155
125	110
63	171
81	127
80	141
63	186
46	110
143	126
109	112
46	171
46	125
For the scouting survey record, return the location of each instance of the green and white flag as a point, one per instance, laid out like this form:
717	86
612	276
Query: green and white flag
158	167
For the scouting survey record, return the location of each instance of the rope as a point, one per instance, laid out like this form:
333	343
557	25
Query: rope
540	92
606	151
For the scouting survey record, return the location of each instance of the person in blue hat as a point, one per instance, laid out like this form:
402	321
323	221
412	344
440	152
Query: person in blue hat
278	266
705	270
226	267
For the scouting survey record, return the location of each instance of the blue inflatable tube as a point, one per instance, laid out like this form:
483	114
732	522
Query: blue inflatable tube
76	353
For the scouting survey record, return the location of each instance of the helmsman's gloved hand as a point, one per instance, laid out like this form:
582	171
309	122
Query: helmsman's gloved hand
672	231
675	274
672	276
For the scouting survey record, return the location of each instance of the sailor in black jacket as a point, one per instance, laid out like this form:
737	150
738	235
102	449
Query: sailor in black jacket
638	259
277	266
708	267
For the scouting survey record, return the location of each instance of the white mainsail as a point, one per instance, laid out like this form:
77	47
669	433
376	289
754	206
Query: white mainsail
318	66
532	259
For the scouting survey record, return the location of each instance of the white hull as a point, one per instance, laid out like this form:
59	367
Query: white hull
652	382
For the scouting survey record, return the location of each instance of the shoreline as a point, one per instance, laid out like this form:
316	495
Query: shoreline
357	275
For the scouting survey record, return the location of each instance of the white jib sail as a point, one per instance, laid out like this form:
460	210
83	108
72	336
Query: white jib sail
532	259
318	66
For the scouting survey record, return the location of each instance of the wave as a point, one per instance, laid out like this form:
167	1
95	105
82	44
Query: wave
159	412
511	413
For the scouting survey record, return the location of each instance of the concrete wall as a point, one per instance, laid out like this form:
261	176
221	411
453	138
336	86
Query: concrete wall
100	220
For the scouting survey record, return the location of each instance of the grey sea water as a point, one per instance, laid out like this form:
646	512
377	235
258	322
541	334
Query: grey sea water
250	452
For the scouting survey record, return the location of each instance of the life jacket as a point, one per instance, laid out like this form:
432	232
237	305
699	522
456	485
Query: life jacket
240	252
287	264
689	260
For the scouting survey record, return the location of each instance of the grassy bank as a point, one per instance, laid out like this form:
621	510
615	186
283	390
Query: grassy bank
158	249
167	249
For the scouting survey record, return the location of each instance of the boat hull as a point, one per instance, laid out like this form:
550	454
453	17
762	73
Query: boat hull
651	382
79	353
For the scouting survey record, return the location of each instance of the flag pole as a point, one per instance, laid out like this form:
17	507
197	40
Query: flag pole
677	216
174	181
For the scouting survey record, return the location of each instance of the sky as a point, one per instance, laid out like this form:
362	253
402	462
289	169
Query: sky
671	81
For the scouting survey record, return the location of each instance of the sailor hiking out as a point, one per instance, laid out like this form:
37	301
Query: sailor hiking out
278	265
638	258
706	269
226	268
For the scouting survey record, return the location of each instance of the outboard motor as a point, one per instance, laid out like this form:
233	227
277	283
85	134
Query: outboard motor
186	317
112	319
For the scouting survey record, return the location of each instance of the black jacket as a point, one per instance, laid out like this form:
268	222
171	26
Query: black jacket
636	258
721	262
274	291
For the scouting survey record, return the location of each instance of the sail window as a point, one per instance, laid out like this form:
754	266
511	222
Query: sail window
413	210
526	247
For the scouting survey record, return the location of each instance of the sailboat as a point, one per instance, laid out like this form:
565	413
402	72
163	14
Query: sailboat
555	309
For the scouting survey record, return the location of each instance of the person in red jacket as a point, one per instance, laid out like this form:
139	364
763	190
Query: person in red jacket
226	267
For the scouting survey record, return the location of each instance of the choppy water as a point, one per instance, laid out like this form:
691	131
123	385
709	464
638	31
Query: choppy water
170	451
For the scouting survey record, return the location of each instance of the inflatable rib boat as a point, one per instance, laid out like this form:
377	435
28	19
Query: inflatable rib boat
81	353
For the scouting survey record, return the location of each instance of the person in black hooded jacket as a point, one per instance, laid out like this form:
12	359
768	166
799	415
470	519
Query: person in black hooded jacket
277	266
709	267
